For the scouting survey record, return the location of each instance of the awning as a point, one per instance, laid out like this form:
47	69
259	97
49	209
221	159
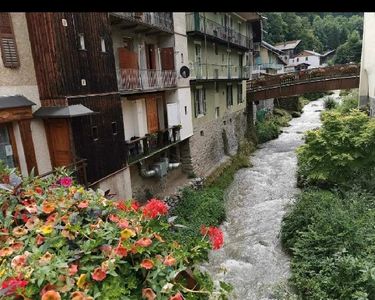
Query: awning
70	111
14	101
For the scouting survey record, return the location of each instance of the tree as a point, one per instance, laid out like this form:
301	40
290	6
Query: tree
350	51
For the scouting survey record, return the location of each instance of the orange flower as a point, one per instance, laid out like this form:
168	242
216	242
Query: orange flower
159	238
17	246
73	269
143	242
6	251
99	274
65	219
178	296
18	262
52	218
77	295
19	231
51	295
45	259
83	204
169	260
148	294
48	207
147	264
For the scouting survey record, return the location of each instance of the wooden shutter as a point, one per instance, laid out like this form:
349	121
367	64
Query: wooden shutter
127	59
152	114
8	45
204	100
167	58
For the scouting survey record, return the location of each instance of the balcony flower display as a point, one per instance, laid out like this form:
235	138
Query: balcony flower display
61	241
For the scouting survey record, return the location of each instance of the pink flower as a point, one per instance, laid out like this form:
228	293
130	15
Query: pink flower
65	181
73	269
144	242
83	204
18	262
122	223
178	296
155	208
12	284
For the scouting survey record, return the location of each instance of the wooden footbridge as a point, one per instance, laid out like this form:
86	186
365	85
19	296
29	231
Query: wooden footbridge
306	81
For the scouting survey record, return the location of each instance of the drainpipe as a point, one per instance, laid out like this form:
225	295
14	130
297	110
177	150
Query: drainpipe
146	173
205	42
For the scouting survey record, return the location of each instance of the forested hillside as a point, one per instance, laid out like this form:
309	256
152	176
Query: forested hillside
318	31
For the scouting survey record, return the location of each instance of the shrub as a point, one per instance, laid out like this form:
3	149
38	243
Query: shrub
329	103
348	102
314	96
341	151
269	128
60	241
332	238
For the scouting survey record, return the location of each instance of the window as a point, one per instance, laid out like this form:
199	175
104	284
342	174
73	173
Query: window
182	58
229	95
7	154
217	86
114	128
200	101
216	49
94	132
297	59
185	110
239	93
102	44
81	45
306	58
8	44
217	112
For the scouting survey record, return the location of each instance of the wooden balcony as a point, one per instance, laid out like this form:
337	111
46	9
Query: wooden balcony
201	25
139	148
136	80
144	22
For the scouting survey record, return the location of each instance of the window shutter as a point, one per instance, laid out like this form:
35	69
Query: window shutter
196	103
204	100
8	45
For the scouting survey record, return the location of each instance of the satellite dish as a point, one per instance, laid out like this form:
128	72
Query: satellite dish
185	72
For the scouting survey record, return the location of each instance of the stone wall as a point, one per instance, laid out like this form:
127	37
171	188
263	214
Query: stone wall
207	145
265	104
288	103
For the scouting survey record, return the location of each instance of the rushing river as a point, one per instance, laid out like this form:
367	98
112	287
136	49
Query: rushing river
252	259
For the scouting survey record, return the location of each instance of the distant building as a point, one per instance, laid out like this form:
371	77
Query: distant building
268	60
288	48
309	59
367	74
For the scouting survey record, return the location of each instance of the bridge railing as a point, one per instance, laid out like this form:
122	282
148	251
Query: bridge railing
308	75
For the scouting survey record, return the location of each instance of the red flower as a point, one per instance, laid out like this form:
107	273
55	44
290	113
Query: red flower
147	264
121	205
121	251
135	205
65	181
144	242
38	190
99	274
12	284
178	296
216	236
154	208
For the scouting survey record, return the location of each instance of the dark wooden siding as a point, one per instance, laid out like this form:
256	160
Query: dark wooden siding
59	63
106	154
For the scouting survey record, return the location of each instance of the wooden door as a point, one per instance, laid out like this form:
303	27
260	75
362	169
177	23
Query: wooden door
58	136
150	56
152	114
127	59
167	58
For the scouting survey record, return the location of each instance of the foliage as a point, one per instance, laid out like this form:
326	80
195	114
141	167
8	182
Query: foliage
349	102
340	152
270	127
350	51
60	241
314	96
330	103
332	238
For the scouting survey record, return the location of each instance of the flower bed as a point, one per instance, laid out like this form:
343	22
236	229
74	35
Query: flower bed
60	241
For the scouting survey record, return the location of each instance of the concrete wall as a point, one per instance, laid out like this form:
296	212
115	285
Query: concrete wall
313	60
119	184
367	75
22	81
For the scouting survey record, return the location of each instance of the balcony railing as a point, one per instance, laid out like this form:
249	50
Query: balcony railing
270	66
140	147
160	20
78	169
195	22
145	79
218	71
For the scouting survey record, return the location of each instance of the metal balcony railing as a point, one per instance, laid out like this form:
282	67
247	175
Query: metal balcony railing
270	66
218	71
145	79
195	22
140	147
160	20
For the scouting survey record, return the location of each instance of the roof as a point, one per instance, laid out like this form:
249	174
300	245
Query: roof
71	111
287	45
328	52
14	101
274	50
249	16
